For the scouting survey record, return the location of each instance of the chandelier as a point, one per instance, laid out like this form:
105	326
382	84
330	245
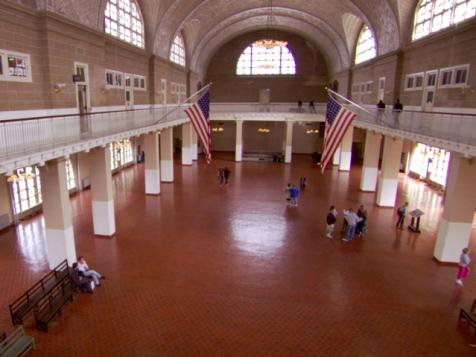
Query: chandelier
269	43
21	174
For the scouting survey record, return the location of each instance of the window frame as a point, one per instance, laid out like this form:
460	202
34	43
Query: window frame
114	74
453	71
359	44
178	57
6	76
414	77
140	80
130	35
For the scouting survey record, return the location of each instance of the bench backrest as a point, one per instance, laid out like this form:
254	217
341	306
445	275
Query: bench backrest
11	339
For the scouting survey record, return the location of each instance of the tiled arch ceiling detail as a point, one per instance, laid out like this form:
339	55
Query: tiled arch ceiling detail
380	14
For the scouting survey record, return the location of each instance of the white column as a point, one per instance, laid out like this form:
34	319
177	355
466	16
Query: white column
346	150
104	221
460	197
388	182
336	157
152	164
239	141
289	142
194	145
187	144
166	155
368	181
57	212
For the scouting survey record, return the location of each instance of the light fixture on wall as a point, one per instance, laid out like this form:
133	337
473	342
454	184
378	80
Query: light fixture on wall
312	131
263	130
270	42
57	87
21	174
218	129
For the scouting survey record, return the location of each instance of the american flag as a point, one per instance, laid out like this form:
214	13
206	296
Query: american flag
199	114
338	120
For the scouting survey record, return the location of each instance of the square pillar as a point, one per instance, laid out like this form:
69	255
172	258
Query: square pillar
368	181
460	196
388	183
167	155
152	164
187	144
57	212
346	150
289	142
194	145
336	157
239	141
102	199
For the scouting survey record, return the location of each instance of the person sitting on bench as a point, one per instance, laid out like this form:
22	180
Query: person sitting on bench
85	271
86	285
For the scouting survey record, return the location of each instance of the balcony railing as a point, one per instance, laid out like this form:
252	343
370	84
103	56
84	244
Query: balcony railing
24	136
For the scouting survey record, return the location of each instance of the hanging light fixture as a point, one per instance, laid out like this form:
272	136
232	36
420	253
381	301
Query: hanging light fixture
269	42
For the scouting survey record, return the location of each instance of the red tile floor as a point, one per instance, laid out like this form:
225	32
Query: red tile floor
202	270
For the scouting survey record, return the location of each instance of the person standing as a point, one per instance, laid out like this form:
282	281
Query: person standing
300	106
361	226
312	108
331	220
287	190
398	107
463	266
352	220
402	211
294	194
226	174
302	183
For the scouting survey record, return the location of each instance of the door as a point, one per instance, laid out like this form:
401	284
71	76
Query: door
128	91
82	88
381	88
429	90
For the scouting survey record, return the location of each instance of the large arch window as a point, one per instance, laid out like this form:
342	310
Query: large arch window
435	15
122	19
257	60
365	48
177	51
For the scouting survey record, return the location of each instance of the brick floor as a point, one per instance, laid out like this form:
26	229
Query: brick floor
202	270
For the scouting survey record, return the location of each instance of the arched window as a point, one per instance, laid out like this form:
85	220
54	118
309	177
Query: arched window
435	15
257	60
177	51
365	48
122	19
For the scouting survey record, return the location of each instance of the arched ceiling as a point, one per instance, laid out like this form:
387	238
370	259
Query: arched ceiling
332	26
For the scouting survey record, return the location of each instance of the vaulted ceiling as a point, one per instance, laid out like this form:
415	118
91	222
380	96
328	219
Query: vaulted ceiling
331	25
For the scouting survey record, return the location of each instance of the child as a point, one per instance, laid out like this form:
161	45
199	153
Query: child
463	269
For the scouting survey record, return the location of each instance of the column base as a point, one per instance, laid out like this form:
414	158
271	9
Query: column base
288	154
345	159
60	246
387	192
167	170
187	156
368	181
194	152
104	221
152	182
238	153
336	158
452	238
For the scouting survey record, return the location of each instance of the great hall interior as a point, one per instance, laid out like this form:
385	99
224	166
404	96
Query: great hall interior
98	159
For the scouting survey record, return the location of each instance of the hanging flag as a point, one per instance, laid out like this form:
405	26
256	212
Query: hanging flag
199	114
338	120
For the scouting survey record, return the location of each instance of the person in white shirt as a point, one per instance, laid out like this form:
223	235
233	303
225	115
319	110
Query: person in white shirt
352	219
93	274
463	266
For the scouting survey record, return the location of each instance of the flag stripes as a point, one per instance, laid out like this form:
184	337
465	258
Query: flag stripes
338	120
198	114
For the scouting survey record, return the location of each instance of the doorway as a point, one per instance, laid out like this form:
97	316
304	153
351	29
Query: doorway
128	91
381	88
83	99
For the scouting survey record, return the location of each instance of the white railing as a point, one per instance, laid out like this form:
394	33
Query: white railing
31	135
266	108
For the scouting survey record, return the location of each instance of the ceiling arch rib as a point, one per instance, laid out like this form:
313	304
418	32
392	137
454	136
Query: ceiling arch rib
217	38
285	15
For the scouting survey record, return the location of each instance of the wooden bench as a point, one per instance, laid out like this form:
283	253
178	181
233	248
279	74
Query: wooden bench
52	303
16	343
469	315
22	306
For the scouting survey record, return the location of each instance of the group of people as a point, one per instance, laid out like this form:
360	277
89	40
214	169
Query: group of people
397	106
312	107
223	175
355	223
84	278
